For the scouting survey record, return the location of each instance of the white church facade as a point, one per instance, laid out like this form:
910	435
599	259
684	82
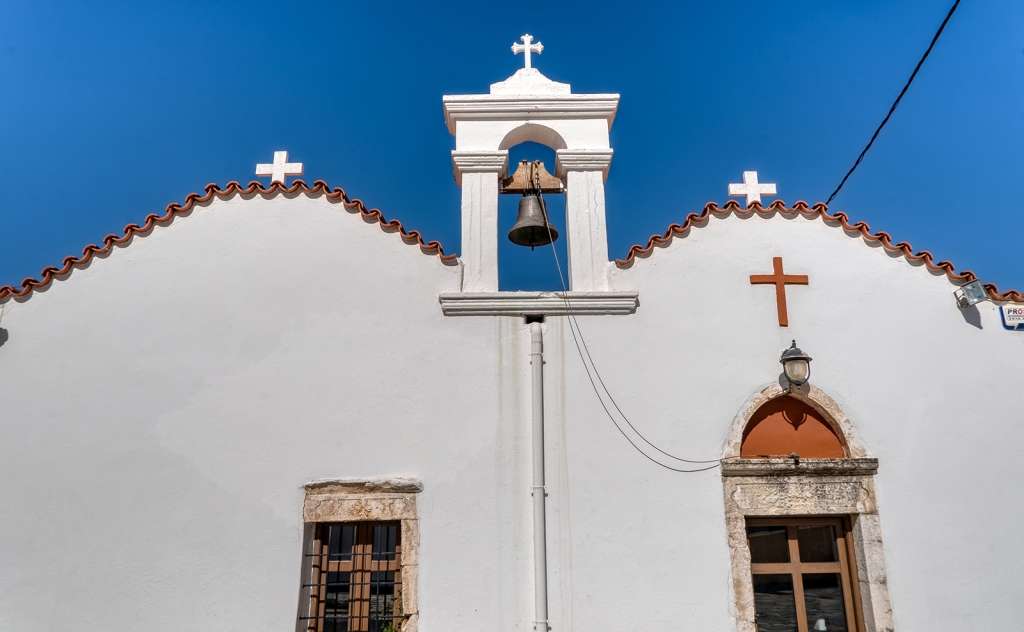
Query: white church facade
272	408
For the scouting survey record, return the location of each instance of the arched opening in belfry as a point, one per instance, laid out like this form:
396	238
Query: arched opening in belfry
533	133
520	267
787	426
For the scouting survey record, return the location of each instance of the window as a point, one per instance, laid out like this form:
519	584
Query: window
360	556
354	582
802	576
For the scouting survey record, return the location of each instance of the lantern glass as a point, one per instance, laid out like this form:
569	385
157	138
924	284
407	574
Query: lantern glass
797	370
970	294
796	365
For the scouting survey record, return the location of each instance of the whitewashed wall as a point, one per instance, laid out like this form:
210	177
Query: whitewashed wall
934	397
163	408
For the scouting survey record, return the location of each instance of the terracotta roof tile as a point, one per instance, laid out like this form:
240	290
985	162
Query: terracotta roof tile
338	195
319	187
817	211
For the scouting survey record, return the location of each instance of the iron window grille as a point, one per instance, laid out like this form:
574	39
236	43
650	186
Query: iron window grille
355	578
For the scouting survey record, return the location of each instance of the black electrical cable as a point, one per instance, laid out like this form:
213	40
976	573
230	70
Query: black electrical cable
586	349
906	86
574	328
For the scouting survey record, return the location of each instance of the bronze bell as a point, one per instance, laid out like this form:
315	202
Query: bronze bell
530	228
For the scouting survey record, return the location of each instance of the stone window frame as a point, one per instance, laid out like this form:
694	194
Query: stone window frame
365	500
790	487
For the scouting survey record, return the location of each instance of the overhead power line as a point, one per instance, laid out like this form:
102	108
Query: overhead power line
892	108
591	369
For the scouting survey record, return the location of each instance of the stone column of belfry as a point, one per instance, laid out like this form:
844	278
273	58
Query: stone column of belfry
584	173
477	172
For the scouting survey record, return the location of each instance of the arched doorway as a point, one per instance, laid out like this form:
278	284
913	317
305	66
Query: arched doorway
804	535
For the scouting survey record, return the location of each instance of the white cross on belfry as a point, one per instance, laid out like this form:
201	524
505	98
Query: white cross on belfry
751	187
280	168
526	48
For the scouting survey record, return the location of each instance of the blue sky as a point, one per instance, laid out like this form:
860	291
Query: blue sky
112	110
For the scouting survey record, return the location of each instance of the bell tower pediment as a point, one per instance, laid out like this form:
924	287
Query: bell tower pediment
528	81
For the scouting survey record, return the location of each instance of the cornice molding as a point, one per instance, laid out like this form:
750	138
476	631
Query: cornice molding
778	208
787	466
317	190
583	160
486	107
538	303
464	161
398	485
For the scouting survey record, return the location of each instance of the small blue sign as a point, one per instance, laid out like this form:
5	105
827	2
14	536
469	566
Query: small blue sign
1012	316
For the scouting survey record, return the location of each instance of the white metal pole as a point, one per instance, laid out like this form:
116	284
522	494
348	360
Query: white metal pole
540	551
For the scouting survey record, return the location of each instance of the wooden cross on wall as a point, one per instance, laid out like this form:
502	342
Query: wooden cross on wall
780	280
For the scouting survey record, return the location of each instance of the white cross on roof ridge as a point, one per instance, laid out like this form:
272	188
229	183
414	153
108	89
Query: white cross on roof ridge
751	188
280	168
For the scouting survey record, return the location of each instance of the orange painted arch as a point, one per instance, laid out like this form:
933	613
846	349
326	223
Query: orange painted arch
786	426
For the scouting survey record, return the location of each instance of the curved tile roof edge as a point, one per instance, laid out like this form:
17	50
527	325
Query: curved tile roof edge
816	211
319	187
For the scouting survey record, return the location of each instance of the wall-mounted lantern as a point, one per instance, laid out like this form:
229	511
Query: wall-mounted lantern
796	365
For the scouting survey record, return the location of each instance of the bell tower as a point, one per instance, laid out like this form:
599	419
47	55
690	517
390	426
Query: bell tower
530	107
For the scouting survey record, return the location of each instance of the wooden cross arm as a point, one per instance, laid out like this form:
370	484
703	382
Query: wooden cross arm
789	279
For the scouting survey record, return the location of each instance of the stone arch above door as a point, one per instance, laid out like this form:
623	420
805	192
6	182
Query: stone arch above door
819	403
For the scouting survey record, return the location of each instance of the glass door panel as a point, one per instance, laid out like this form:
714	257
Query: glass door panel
823	598
774	603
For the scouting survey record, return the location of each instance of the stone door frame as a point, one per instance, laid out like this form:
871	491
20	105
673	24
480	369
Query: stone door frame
781	487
